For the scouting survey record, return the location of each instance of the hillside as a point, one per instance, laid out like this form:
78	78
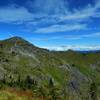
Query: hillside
49	75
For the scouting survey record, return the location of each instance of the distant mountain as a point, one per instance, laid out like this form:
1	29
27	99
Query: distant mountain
90	51
51	75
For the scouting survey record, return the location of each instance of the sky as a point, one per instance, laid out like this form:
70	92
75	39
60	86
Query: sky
52	24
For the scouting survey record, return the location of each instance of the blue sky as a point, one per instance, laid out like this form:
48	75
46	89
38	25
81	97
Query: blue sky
52	24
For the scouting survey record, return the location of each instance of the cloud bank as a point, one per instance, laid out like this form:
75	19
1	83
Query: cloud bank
73	47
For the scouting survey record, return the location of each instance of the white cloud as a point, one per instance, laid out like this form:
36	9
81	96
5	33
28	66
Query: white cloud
61	28
72	37
94	35
13	14
73	47
81	15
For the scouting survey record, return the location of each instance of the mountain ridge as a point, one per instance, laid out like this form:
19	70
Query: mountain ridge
15	39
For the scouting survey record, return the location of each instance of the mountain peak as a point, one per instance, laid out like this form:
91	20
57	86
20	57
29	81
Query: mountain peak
16	38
